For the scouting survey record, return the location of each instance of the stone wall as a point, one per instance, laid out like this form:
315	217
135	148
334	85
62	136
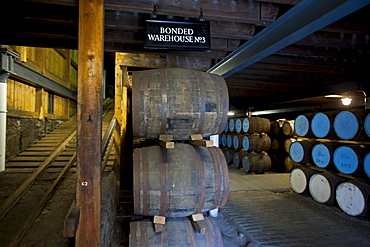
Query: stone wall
21	132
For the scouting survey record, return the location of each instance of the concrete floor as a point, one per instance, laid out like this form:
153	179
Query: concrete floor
264	208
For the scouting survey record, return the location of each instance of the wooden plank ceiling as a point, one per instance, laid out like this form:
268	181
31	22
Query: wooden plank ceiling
335	59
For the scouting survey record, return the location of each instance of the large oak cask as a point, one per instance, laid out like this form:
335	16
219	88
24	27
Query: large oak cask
179	182
178	102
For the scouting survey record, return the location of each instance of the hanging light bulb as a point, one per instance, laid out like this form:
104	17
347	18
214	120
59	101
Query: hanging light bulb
346	101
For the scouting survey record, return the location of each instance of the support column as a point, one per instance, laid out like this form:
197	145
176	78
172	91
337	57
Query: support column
89	120
6	66
3	90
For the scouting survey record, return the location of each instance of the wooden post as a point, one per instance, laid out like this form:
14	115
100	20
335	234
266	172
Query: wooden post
89	120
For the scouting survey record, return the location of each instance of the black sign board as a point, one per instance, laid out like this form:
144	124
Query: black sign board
177	35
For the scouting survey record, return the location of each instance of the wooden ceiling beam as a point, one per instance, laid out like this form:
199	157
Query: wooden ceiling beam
161	61
253	12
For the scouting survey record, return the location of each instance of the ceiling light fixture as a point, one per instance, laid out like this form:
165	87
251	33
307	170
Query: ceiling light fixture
346	101
231	113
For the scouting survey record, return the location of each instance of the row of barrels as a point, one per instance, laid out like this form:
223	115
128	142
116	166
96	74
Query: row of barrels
282	128
185	180
248	125
248	142
346	159
249	161
352	196
343	125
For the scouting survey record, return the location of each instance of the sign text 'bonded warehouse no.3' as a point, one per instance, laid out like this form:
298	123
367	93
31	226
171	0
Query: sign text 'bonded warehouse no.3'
192	35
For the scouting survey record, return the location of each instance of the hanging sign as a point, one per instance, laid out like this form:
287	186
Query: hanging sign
176	35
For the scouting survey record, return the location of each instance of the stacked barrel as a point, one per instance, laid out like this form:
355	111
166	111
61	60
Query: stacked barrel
183	180
282	135
245	142
334	150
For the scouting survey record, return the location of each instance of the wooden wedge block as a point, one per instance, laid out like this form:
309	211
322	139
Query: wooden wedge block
165	137
159	220
200	226
166	144
204	143
197	217
194	137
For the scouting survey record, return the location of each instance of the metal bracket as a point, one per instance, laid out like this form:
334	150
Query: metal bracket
7	57
154	14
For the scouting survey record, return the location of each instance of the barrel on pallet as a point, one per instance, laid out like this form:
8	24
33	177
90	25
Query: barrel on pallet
179	182
353	197
323	185
176	232
299	179
179	102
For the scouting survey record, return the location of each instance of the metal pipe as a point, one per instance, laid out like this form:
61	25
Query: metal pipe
3	96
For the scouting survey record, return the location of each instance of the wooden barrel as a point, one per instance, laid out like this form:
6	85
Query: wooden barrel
322	154
367	125
238	125
366	164
237	141
265	142
288	127
300	151
322	125
290	164
256	143
229	141
257	125
223	140
176	232
256	162
299	179
179	102
237	158
348	125
276	127
348	159
228	155
302	125
231	125
276	144
288	142
322	187
265	161
180	181
226	129
353	197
